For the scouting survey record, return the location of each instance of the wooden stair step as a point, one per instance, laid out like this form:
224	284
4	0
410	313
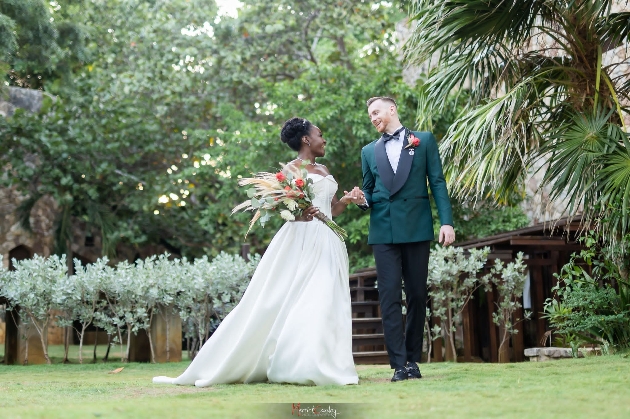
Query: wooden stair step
367	325
365	308
363	289
363	279
368	339
367	321
363	294
373	357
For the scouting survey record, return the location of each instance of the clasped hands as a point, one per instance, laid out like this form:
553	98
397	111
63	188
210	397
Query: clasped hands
354	196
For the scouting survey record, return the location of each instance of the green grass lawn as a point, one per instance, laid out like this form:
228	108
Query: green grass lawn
574	388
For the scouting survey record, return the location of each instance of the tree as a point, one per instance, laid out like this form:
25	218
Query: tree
79	298
509	280
109	137
38	43
452	282
540	95
31	286
147	140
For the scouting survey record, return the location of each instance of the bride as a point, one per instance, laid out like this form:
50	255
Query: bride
294	322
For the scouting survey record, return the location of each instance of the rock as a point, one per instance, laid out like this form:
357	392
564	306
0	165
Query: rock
28	99
549	353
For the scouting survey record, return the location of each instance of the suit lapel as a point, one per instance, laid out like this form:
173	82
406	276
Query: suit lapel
385	170
404	166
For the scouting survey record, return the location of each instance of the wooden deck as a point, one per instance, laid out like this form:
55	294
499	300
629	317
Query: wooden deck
547	247
368	343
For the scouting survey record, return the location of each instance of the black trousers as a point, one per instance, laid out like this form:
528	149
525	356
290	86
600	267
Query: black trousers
395	263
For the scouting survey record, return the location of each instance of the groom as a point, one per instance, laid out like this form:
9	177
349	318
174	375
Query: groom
396	168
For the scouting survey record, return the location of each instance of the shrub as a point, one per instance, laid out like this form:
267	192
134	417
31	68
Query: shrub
591	307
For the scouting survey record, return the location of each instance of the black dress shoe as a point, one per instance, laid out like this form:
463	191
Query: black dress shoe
400	374
412	370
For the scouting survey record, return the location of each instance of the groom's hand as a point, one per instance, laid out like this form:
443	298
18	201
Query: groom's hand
355	195
447	235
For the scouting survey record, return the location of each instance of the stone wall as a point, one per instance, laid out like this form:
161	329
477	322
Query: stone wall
17	97
40	240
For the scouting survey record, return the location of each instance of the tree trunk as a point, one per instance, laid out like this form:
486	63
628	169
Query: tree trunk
66	344
128	343
429	339
25	361
109	345
120	340
148	330
504	347
44	341
452	356
83	327
95	342
168	334
41	330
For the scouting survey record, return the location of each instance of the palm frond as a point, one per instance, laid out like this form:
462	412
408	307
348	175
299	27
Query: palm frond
475	39
486	149
541	97
614	181
614	30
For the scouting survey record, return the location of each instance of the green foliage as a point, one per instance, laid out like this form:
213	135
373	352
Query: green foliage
592	299
452	282
471	218
167	105
211	108
555	108
40	41
482	219
509	281
30	287
124	299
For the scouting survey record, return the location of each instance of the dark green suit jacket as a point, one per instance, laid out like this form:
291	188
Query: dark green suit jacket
399	202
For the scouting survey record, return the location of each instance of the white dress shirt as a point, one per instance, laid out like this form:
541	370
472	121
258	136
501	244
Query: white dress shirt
393	148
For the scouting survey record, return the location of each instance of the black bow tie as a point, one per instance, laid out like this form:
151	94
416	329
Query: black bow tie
386	137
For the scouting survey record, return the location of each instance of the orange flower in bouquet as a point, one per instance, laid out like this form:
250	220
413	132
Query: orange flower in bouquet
285	193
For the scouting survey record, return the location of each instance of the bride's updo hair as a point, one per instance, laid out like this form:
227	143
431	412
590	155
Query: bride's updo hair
293	130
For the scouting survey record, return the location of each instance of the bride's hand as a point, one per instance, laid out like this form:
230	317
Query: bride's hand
308	214
355	195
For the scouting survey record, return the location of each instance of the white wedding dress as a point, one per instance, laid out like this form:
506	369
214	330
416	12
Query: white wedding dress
294	322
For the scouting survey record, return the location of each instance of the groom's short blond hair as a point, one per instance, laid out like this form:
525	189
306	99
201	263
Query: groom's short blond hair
383	98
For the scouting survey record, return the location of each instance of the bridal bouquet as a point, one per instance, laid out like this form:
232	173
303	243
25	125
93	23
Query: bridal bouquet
285	193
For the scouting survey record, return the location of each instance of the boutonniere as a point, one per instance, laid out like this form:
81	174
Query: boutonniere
413	142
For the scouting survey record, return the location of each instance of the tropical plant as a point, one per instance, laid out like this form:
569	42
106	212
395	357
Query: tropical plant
509	280
544	94
452	281
591	302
